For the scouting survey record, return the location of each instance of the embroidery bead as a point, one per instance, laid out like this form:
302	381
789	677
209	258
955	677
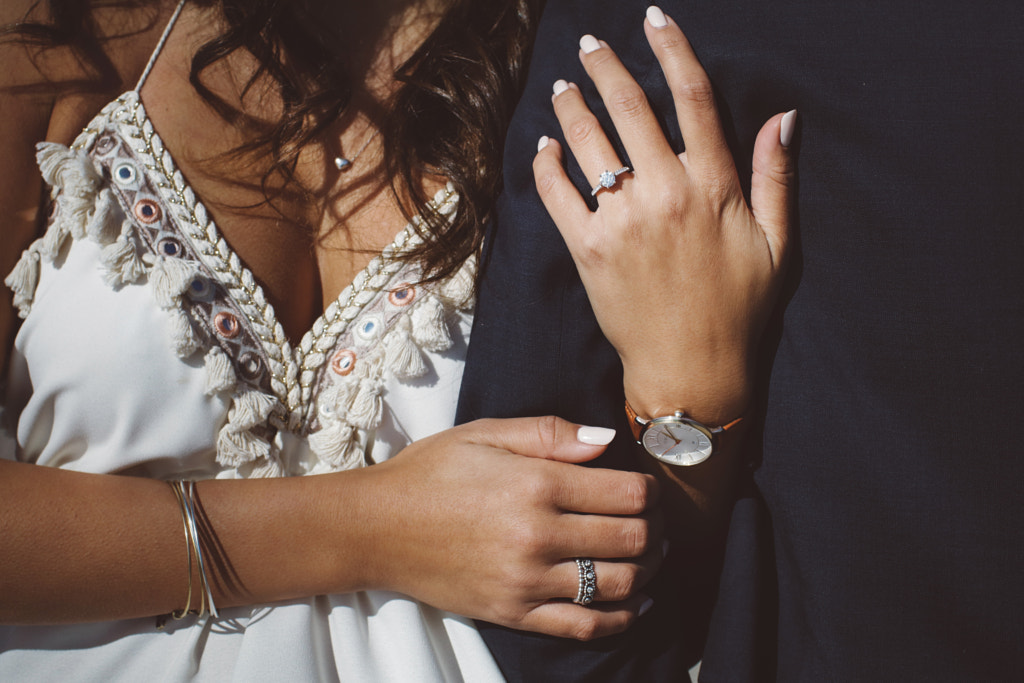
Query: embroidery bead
368	328
226	325
200	289
403	296
125	174
250	365
105	144
147	211
343	362
169	246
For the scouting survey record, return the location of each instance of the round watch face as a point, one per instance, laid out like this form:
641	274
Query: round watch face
676	441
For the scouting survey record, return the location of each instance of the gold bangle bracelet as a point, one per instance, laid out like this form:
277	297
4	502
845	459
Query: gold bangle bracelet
176	486
206	595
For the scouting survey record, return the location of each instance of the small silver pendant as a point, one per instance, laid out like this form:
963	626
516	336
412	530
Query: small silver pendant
342	163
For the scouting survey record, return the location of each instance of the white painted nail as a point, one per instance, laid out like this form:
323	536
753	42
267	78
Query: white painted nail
543	142
595	436
787	128
645	607
560	87
589	43
656	17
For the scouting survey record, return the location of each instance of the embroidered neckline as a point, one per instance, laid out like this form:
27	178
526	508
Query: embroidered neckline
127	194
292	369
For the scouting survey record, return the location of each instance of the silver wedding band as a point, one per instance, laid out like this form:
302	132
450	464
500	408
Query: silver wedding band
608	179
588	581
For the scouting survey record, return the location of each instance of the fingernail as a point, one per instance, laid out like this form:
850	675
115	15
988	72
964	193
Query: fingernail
787	128
589	43
656	17
543	142
560	87
645	607
595	436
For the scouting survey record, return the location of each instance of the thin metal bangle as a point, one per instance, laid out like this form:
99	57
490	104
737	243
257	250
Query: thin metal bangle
179	494
206	594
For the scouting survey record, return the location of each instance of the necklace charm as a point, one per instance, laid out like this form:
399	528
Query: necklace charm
344	163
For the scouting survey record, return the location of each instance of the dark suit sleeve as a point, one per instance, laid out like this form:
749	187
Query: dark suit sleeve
536	349
880	535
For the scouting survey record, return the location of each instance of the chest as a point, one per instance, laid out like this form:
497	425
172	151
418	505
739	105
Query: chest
124	210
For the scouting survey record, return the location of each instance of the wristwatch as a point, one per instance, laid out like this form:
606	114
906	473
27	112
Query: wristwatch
676	439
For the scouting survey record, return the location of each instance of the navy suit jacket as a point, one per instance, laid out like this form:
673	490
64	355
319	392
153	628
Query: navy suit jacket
880	537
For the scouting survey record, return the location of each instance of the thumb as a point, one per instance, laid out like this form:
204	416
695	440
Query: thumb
548	437
773	185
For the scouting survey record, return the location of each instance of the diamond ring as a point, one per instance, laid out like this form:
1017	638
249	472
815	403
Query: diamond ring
608	179
588	581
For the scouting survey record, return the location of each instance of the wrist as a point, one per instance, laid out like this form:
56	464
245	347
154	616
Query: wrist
713	398
350	518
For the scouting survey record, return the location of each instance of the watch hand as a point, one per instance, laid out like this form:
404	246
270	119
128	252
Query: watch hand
672	435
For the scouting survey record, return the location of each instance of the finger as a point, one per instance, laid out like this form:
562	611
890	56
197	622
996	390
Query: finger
608	537
585	137
615	580
773	184
568	620
706	148
560	197
635	122
547	437
596	491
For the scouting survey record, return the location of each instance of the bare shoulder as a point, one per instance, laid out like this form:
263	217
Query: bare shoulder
49	90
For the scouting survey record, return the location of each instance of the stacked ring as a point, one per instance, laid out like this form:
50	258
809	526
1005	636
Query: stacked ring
587	581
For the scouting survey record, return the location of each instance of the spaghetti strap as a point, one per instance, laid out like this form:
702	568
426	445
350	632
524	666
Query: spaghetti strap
159	45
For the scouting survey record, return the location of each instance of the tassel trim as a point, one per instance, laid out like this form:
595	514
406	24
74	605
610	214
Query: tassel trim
351	402
84	208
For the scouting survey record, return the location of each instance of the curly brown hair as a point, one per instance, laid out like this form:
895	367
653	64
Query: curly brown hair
448	117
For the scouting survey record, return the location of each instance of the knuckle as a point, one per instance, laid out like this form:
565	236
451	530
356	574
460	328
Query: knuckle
531	540
592	249
627	101
671	204
508	613
549	429
719	182
587	627
637	494
546	180
538	489
671	41
636	536
621	584
518	584
781	172
582	130
718	194
697	92
599	58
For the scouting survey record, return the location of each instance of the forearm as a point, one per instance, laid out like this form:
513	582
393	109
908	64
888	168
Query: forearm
85	547
481	520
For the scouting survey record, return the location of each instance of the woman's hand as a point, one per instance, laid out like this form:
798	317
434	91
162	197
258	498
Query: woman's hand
681	272
486	520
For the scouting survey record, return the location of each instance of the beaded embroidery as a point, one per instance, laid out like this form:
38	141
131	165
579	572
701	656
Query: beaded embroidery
118	185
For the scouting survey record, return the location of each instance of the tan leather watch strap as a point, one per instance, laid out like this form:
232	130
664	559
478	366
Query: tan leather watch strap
636	423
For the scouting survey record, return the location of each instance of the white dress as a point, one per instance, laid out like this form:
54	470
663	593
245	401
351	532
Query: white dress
149	349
